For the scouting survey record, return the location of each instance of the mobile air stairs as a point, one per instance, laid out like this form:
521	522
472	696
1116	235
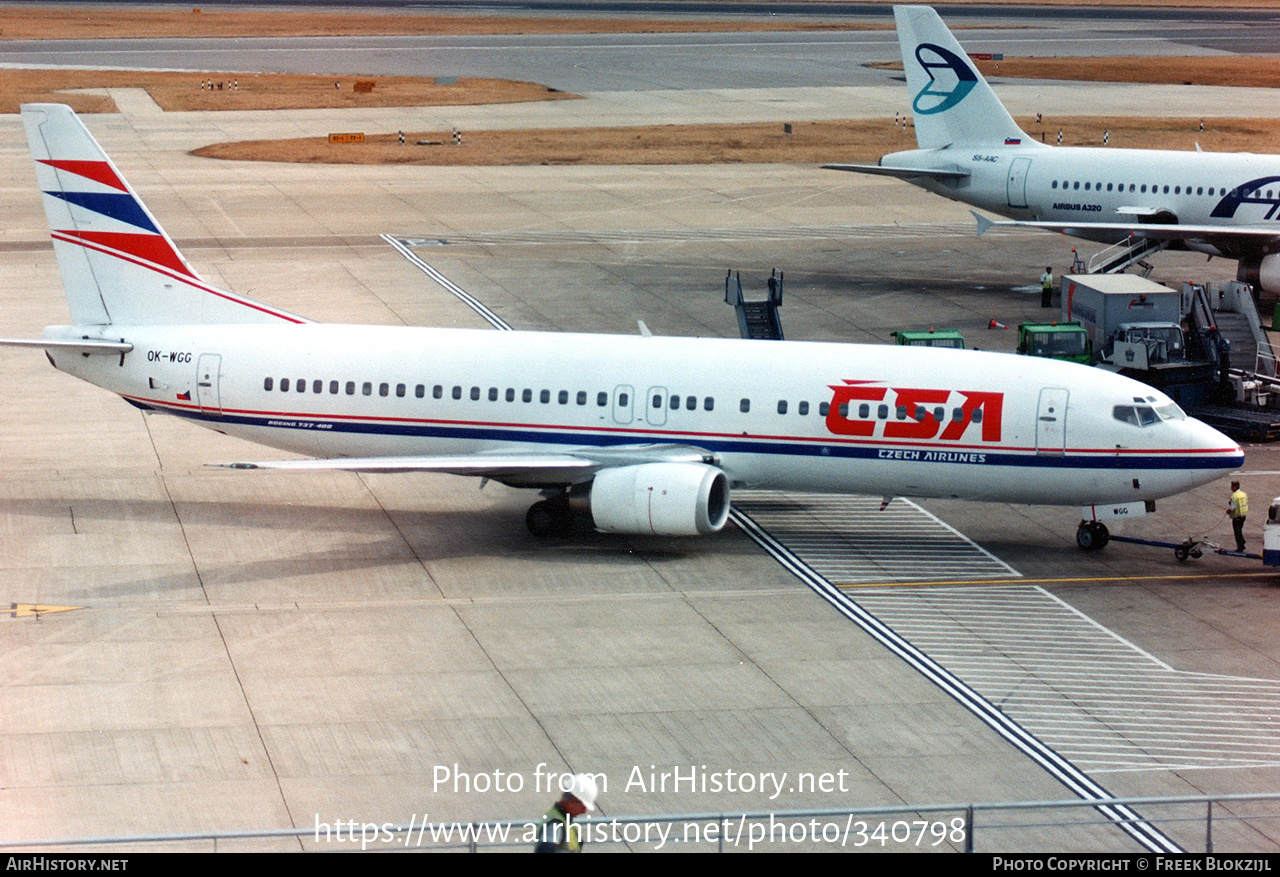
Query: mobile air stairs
756	319
1131	251
1218	312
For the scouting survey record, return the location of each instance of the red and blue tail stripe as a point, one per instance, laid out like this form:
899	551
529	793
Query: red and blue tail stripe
118	265
143	241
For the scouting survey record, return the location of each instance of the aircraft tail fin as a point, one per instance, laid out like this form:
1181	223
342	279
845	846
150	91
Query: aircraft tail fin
951	103
118	265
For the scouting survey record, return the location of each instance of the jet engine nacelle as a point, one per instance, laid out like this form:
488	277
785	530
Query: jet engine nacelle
1262	274
661	499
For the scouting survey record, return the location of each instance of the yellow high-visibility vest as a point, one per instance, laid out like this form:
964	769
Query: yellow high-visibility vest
1239	504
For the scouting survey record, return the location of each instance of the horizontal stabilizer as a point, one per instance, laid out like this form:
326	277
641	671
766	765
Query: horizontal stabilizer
86	346
902	173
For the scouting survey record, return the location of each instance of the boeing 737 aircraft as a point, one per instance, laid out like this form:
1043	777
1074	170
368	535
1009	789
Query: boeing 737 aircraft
971	150
648	434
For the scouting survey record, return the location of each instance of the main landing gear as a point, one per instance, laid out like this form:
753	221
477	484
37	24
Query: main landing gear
1092	535
550	517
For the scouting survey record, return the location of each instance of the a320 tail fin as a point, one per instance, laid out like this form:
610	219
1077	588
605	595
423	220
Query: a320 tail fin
118	266
950	101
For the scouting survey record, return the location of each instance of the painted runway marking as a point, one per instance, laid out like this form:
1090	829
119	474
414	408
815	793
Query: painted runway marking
34	610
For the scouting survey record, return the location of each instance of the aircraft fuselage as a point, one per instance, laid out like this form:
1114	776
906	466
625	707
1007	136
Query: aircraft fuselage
800	416
1088	185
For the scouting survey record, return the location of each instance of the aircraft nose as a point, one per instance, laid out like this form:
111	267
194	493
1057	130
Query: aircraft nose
1220	454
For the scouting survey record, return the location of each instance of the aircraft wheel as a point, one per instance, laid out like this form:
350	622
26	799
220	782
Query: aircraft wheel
1182	552
1092	536
540	519
549	518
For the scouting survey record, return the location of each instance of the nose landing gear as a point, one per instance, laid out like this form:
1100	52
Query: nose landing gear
1092	535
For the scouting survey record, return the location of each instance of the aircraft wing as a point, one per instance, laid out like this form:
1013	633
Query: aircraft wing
516	469
1240	234
902	173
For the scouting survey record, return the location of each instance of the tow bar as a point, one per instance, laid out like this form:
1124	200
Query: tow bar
1191	548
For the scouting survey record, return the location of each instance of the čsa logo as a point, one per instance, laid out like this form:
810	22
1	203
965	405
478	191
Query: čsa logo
858	408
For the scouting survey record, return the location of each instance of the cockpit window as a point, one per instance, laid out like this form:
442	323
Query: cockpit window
1138	415
1171	412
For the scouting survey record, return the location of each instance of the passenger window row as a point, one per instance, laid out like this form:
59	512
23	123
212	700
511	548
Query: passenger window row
1143	188
673	401
439	391
690	403
918	413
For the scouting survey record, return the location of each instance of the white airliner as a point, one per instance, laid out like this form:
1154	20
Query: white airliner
971	150
649	434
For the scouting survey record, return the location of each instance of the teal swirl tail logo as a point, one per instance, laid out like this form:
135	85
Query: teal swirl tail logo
933	99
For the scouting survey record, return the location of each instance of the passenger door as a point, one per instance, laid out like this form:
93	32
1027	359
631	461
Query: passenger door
1051	421
655	406
623	396
208	394
1018	182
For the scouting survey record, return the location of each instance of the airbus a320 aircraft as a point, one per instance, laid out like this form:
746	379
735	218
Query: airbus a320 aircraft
971	150
648	434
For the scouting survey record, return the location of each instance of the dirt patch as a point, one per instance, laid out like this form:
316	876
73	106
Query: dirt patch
237	91
808	143
663	144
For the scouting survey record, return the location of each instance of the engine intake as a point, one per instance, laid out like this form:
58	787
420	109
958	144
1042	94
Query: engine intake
661	499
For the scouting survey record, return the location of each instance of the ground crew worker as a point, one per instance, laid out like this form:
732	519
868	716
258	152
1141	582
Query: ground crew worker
556	834
1238	508
1046	288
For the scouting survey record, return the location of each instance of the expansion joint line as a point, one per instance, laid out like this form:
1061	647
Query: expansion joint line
465	297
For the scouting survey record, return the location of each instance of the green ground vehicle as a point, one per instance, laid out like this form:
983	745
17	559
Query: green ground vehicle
931	338
1066	341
